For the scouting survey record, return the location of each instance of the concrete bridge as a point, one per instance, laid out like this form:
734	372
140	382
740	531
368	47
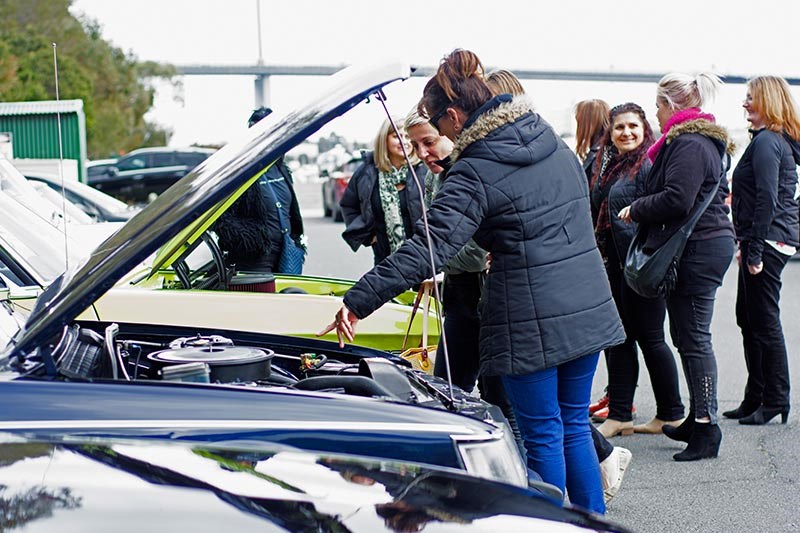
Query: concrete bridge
263	73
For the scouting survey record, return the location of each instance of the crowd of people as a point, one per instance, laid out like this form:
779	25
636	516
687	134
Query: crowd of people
533	240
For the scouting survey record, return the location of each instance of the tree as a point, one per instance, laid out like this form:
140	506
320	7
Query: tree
114	85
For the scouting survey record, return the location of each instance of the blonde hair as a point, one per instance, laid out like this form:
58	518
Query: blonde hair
773	100
381	146
504	82
414	119
592	119
682	91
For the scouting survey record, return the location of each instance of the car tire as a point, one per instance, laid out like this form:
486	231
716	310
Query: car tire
326	209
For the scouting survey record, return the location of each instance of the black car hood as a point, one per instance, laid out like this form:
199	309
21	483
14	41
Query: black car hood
210	183
100	485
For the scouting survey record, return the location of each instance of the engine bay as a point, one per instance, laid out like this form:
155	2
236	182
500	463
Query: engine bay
101	352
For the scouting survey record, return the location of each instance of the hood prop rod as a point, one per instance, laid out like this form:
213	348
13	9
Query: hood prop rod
381	97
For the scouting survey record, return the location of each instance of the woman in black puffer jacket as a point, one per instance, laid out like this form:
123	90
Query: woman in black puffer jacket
765	215
518	190
688	162
621	169
382	203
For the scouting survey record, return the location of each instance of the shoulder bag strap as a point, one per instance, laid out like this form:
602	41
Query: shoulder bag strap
701	208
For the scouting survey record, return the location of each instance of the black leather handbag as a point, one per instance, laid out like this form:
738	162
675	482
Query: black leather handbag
655	273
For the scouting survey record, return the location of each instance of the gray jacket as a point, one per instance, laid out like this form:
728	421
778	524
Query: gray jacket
470	258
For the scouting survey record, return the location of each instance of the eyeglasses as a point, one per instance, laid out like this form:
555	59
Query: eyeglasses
434	120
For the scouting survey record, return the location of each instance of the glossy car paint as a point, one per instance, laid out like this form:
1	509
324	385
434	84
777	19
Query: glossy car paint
105	485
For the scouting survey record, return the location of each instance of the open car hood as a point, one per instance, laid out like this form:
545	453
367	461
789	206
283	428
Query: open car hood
195	200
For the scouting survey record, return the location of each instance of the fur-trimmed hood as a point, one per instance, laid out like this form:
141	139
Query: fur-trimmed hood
703	127
489	121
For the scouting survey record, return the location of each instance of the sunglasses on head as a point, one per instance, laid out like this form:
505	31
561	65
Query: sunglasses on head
434	120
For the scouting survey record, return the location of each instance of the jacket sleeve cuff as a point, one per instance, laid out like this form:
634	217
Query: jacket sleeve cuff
755	250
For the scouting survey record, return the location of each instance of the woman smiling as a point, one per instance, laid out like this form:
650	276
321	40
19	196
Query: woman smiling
620	172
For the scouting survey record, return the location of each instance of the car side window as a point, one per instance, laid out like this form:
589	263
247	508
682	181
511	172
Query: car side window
132	163
164	160
190	159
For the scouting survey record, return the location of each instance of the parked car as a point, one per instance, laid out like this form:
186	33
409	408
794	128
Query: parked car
104	485
143	174
70	379
100	206
334	185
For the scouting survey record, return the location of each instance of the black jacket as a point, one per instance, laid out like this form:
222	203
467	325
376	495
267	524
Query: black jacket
588	163
686	168
249	231
764	186
623	192
520	191
361	207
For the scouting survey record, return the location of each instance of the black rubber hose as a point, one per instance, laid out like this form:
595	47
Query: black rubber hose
355	385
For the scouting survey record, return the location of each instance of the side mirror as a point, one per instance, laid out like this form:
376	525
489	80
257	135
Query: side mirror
112	171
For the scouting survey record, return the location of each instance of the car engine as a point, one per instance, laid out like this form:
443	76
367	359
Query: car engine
97	353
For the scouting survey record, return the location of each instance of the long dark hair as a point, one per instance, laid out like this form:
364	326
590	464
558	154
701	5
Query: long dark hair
629	162
459	81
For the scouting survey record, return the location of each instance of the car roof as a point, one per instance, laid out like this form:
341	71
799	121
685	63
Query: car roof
168	149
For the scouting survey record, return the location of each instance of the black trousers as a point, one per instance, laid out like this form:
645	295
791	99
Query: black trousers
691	308
643	319
758	315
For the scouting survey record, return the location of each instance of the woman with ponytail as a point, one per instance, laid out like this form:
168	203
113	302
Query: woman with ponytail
620	172
688	163
765	215
518	190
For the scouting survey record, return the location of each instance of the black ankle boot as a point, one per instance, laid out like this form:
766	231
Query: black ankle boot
746	408
762	415
704	443
683	432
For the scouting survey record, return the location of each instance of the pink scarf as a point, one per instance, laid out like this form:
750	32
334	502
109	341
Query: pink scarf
684	115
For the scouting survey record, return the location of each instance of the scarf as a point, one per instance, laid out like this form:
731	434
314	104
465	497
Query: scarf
613	167
684	115
390	202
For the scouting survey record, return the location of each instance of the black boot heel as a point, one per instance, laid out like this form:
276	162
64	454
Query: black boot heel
704	443
680	433
763	415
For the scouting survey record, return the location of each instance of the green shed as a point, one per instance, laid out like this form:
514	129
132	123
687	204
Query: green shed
32	130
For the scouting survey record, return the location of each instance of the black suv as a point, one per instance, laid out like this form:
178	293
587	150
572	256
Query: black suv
143	174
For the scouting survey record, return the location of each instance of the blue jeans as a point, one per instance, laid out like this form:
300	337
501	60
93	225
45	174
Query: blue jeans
550	406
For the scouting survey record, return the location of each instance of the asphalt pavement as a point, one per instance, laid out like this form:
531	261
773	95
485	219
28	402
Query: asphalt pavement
752	486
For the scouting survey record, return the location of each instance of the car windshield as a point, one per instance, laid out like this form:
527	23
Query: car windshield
58	202
109	203
14	184
33	242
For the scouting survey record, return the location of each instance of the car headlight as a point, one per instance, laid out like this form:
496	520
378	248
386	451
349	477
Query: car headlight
497	458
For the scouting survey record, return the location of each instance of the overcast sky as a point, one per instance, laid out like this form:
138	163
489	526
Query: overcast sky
727	37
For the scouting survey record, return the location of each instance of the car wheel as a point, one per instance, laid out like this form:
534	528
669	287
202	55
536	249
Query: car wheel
326	209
